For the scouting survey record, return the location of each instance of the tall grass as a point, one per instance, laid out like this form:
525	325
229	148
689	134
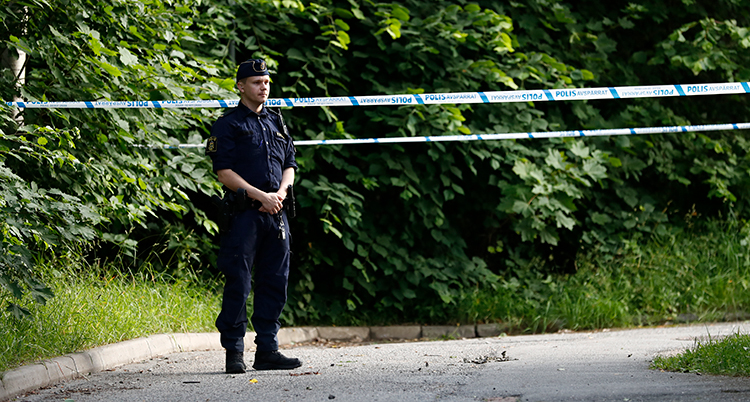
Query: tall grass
700	275
97	306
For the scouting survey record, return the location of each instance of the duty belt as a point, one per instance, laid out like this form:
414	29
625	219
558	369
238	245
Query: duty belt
242	202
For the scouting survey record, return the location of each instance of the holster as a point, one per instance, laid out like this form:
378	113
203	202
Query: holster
225	209
290	202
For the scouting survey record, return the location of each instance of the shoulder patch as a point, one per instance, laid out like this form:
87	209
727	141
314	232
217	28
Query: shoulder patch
212	145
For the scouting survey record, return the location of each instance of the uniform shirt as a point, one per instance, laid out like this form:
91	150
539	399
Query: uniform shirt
256	146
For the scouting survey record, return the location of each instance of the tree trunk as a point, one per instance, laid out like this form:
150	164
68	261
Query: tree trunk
16	61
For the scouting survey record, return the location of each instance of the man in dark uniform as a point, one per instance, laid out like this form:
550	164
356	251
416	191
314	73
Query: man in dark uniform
253	156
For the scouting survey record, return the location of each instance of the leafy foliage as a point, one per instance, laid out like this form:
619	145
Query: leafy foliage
74	175
386	232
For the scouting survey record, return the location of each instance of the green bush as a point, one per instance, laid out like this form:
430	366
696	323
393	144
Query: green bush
386	232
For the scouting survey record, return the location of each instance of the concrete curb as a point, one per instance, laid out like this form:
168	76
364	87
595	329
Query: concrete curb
48	372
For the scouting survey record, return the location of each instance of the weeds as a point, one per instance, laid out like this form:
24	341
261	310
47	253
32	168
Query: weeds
727	356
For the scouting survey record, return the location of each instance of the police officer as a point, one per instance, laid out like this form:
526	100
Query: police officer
253	156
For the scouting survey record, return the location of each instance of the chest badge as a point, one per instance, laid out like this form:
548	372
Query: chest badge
278	134
211	145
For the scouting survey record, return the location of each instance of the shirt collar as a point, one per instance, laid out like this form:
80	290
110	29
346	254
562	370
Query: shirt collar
246	110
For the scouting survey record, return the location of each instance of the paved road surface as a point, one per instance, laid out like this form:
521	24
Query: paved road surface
594	366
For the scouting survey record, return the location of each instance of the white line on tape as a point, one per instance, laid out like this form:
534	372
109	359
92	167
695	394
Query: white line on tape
506	136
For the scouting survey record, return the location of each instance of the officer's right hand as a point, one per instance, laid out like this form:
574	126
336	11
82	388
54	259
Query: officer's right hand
272	203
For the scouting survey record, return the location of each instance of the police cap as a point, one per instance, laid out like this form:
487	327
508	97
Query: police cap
252	68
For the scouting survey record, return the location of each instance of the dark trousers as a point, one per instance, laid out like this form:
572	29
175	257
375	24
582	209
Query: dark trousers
253	243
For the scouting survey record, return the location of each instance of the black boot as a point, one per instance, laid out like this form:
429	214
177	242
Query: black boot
235	362
274	361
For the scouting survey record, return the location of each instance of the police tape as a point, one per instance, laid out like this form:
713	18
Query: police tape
542	95
506	136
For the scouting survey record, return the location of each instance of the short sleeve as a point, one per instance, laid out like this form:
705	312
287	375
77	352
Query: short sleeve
221	145
289	150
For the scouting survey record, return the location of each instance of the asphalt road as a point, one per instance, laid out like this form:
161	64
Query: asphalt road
591	366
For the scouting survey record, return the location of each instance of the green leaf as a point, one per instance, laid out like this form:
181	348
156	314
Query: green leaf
507	42
341	24
564	220
555	159
358	13
408	293
17	311
112	70
41	294
523	208
343	39
11	286
600	219
343	13
126	57
228	83
579	149
549	236
401	13
293	53
594	169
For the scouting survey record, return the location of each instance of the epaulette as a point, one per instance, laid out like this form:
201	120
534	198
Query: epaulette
230	111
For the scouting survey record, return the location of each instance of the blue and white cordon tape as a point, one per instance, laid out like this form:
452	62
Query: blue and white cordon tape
507	136
658	91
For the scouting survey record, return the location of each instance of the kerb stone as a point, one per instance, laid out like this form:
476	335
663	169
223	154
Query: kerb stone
161	344
448	331
343	333
197	342
489	330
82	362
25	379
396	332
61	369
3	393
124	352
289	336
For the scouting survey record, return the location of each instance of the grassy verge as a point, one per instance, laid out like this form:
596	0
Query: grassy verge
698	276
94	307
702	275
727	356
